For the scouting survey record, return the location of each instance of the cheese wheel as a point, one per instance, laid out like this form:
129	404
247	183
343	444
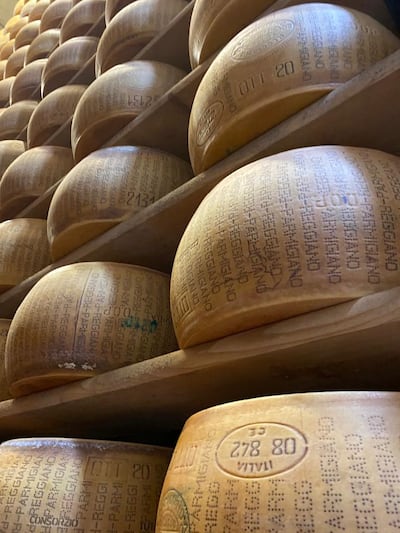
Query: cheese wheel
215	22
4	39
4	327
24	250
275	67
14	24
27	34
43	45
317	462
38	9
94	317
117	97
66	61
132	28
107	187
9	151
53	112
18	7
113	7
55	14
30	175
76	485
81	18
5	91
27	81
15	118
7	49
16	61
288	234
3	64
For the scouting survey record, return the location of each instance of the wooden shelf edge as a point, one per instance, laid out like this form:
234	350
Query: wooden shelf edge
330	349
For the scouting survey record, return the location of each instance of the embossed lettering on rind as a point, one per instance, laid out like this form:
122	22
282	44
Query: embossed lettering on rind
209	121
173	515
261	450
262	39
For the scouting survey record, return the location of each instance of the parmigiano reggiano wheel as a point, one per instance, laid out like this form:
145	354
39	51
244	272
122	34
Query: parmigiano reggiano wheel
55	14
113	7
107	187
81	18
117	97
7	49
27	81
43	45
80	485
24	250
3	64
30	175
18	7
215	22
15	118
14	24
288	234
52	112
66	61
94	317
27	34
293	463
38	10
275	67
132	28
9	151
16	61
5	91
27	8
4	39
4	327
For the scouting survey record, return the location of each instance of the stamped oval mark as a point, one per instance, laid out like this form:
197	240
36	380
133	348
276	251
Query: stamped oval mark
261	450
173	515
261	38
209	121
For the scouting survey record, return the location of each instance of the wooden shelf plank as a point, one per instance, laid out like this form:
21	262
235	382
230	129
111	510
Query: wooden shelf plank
336	348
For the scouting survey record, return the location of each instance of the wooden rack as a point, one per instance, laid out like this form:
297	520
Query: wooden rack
328	349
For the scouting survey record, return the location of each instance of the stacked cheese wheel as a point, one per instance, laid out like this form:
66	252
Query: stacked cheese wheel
305	462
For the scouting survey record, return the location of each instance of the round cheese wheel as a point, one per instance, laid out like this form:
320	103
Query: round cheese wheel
18	7
55	14
5	91
27	8
9	151
3	64
15	118
214	23
288	234
27	34
94	317
7	49
27	81
323	462
132	28
24	250
81	18
275	67
38	9
76	485
30	175
66	61
43	45
117	97
4	327
107	187
113	7
16	61
52	112
4	39
14	24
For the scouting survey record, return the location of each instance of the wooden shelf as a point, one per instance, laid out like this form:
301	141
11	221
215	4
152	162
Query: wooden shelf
340	347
